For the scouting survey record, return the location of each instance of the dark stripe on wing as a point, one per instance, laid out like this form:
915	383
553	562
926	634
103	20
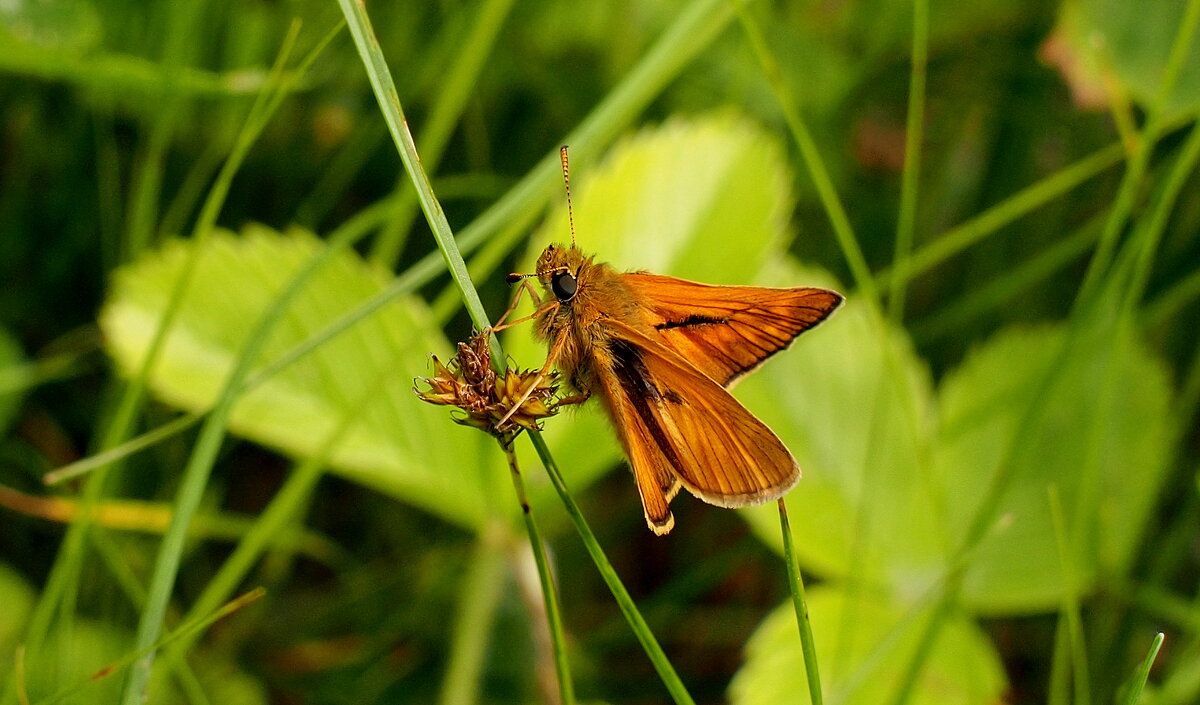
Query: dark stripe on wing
692	320
635	380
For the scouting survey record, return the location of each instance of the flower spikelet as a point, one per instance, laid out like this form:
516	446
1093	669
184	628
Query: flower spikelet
469	382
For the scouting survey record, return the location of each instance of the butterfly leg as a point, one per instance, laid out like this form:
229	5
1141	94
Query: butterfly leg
573	399
551	357
525	287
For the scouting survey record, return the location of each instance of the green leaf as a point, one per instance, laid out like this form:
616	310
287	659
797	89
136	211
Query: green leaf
1131	41
705	198
863	644
396	443
1102	437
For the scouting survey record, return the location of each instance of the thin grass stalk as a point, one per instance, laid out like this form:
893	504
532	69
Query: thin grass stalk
995	293
1155	127
124	450
869	666
1081	678
341	239
913	137
147	179
1150	234
482	588
1167	305
136	657
858	561
566	686
817	171
451	99
204	453
1058	687
59	590
380	77
283	508
796	586
985	513
695	28
658	658
1085	309
692	31
835	211
975	230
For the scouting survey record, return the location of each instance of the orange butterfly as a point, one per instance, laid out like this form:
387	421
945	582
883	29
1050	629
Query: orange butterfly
660	353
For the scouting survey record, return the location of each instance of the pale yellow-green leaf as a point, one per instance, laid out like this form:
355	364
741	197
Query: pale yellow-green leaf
863	645
396	443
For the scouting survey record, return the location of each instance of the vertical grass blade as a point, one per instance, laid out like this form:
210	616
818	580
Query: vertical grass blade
658	658
836	212
1080	673
481	591
796	586
913	138
566	686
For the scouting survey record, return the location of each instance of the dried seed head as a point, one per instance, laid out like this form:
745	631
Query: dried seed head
484	396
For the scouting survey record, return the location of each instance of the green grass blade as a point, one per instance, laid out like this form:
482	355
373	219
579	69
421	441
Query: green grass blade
985	514
1149	235
385	92
566	685
451	100
384	87
913	138
124	450
482	588
817	171
993	294
195	475
1131	182
658	658
284	508
959	238
184	630
796	587
147	180
1075	637
1135	687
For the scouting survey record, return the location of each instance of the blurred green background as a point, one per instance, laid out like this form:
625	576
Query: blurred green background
998	429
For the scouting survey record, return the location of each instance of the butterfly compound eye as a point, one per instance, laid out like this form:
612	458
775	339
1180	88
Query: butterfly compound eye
564	286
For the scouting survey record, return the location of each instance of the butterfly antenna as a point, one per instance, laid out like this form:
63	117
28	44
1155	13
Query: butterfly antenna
562	153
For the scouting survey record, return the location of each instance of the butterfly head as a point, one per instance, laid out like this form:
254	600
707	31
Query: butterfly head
559	270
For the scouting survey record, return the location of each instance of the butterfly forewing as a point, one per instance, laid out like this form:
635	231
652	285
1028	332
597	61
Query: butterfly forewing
726	331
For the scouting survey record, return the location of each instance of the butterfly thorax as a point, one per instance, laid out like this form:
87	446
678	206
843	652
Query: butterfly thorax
596	291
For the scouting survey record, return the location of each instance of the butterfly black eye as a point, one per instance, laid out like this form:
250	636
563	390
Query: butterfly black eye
564	286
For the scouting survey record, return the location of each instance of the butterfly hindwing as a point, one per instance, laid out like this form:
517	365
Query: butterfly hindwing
677	421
